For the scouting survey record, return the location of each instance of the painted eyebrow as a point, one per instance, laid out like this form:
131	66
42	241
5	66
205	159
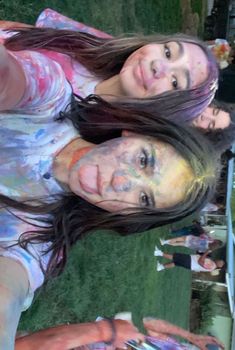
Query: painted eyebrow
152	159
152	200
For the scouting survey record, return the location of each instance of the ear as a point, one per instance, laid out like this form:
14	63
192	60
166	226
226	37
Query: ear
127	133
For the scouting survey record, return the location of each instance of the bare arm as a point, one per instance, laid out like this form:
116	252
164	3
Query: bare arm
10	24
155	326
66	337
12	80
202	258
13	291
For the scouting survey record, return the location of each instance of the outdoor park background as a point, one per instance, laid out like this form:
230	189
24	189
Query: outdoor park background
106	273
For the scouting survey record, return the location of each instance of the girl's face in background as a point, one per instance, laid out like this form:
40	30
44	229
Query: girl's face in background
131	171
213	118
157	68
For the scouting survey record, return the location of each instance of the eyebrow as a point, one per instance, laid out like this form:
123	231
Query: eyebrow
152	200
188	78
152	163
216	110
152	158
180	48
185	71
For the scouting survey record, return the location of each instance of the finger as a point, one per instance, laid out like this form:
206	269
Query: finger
141	336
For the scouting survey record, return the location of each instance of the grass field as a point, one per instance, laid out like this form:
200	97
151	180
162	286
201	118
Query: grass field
108	274
115	17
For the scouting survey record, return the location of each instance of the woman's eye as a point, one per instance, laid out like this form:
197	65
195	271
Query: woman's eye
144	200
167	52
143	159
174	82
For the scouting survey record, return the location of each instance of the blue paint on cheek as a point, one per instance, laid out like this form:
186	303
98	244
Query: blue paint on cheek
124	187
120	172
120	181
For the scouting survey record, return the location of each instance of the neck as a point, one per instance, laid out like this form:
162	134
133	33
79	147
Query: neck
110	88
68	156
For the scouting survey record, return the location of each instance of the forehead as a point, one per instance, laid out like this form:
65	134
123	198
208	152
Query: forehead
172	176
197	63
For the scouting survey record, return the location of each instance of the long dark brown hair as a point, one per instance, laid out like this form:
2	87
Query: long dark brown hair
104	57
68	218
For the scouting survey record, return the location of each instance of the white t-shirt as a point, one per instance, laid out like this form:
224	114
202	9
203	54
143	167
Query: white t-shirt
209	265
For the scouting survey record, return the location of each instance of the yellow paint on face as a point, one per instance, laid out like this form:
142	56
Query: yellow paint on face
171	184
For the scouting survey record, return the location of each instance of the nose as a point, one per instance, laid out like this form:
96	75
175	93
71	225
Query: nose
159	69
120	182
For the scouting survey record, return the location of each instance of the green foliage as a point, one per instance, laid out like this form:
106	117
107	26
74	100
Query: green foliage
207	298
112	16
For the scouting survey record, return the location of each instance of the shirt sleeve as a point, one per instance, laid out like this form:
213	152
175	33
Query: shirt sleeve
52	19
32	259
47	88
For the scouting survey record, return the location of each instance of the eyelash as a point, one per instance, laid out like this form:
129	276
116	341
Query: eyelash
144	200
167	52
144	156
174	83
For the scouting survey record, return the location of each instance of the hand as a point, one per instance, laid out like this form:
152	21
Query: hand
12	80
202	340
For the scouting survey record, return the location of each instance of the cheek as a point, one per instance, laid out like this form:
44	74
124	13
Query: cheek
198	73
160	85
121	201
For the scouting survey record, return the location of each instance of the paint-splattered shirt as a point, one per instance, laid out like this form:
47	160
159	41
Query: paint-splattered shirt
29	139
82	81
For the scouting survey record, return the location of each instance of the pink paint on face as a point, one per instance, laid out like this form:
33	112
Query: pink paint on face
157	68
88	178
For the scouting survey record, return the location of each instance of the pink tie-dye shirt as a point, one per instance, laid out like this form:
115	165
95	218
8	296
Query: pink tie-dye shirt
82	81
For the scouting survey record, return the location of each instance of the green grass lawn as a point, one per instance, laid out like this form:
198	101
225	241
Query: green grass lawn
108	274
115	17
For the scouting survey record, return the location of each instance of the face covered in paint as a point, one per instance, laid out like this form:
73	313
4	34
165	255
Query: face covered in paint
157	68
131	171
213	118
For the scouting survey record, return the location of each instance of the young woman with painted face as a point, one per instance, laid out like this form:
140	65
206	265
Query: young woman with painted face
52	180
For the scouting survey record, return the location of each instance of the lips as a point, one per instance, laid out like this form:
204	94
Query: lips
89	178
